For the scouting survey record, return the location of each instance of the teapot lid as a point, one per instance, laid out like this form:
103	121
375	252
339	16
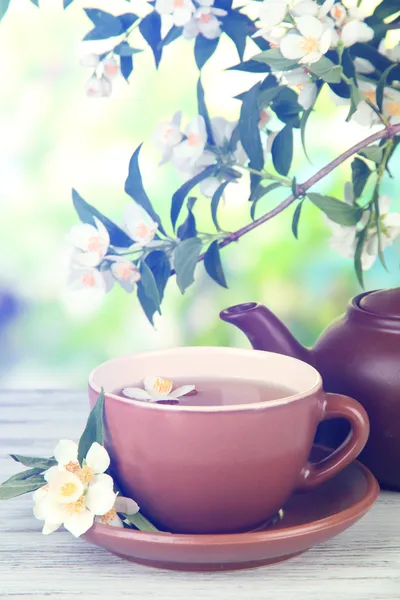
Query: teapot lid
382	302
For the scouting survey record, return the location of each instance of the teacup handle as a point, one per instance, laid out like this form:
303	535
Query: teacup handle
347	408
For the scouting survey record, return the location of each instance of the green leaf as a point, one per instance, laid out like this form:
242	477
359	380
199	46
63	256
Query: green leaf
215	202
373	153
385	9
94	430
303	124
268	95
147	291
180	195
86	212
150	28
13	488
173	34
326	70
282	150
204	49
141	523
335	210
67	3
296	219
380	88
251	66
4	4
202	109
259	193
159	264
355	98
188	228
287	108
34	462
360	172
124	49
25	475
249	130
237	26
378	228
213	265
358	254
185	261
134	188
276	60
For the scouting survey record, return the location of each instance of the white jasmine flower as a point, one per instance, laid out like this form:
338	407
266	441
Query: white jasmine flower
356	31
110	68
204	21
272	13
301	81
309	44
98	87
139	225
168	135
156	389
74	494
89	283
181	10
344	238
123	505
125	272
90	241
186	153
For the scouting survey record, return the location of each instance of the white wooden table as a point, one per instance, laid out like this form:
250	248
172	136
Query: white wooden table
363	563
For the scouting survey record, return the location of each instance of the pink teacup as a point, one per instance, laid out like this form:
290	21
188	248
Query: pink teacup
220	469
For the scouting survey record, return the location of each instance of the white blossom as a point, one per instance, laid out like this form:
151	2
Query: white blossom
309	44
168	135
187	152
344	238
181	10
139	225
156	388
98	87
125	272
204	21
74	495
110	68
91	242
90	283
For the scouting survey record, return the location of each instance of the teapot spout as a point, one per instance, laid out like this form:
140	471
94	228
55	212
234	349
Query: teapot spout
264	330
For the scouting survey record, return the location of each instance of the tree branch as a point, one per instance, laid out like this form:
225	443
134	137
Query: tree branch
388	132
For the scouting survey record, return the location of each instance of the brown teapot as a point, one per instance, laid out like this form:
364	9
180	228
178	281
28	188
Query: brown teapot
358	355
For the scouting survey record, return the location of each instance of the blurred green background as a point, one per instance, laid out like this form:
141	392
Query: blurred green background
53	138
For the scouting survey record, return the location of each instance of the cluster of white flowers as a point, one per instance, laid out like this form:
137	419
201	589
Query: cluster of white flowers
344	239
188	150
197	17
95	267
305	31
365	115
75	496
104	72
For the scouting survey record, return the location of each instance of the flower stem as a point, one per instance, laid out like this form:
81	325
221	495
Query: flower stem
266	175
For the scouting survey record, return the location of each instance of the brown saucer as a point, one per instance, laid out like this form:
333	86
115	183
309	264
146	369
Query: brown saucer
309	519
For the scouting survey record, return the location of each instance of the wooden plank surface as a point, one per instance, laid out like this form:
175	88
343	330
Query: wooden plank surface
361	564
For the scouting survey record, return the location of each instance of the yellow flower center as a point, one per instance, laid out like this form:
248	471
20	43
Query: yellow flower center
393	108
95	244
370	95
88	280
76	507
337	12
109	517
193	139
84	474
162	386
68	489
205	18
178	3
309	44
142	230
111	69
